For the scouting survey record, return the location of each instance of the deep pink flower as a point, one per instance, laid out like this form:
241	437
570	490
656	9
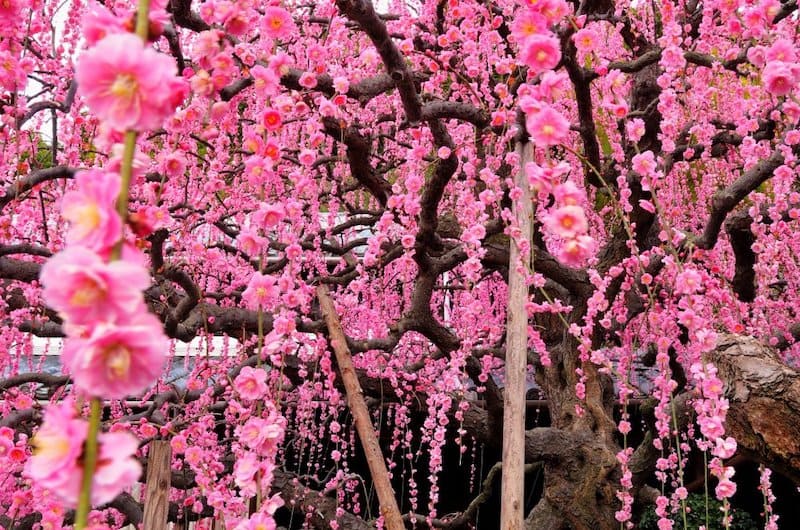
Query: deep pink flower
251	383
271	119
277	23
128	85
9	12
87	290
91	210
117	360
540	52
547	127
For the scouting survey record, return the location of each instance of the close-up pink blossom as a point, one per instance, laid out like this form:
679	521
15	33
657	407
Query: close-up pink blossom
126	84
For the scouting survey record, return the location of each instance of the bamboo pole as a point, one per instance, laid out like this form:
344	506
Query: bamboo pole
355	400
513	478
156	503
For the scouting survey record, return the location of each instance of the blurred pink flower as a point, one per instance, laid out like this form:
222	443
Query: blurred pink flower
91	210
86	289
547	127
128	85
567	221
58	457
780	78
117	360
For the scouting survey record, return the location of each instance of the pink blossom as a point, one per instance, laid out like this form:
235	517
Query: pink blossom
781	50
576	250
567	221
250	242
644	163
341	84
586	40
688	281
91	210
567	193
57	457
540	52
307	157
127	84
547	127
57	446
117	360
87	290
99	22
527	24
258	521
307	80
178	444
251	383
724	447
635	129
117	469
725	489
265	80
269	215
261	291
779	78
277	23
271	119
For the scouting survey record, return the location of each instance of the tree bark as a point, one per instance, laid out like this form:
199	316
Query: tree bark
764	397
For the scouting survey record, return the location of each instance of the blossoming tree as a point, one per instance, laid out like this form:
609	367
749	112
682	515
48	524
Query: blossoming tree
175	171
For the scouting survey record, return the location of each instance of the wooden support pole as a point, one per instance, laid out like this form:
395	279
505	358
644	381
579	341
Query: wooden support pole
156	502
355	400
513	478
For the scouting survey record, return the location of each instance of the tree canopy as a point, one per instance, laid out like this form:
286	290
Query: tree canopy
342	187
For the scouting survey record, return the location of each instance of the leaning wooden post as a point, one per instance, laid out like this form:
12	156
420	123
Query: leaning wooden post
355	400
513	478
156	503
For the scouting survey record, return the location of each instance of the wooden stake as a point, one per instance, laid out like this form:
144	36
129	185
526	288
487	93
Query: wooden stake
513	478
355	400
156	503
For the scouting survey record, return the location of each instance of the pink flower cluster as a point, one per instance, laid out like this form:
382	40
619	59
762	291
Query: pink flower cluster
58	457
781	72
115	347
